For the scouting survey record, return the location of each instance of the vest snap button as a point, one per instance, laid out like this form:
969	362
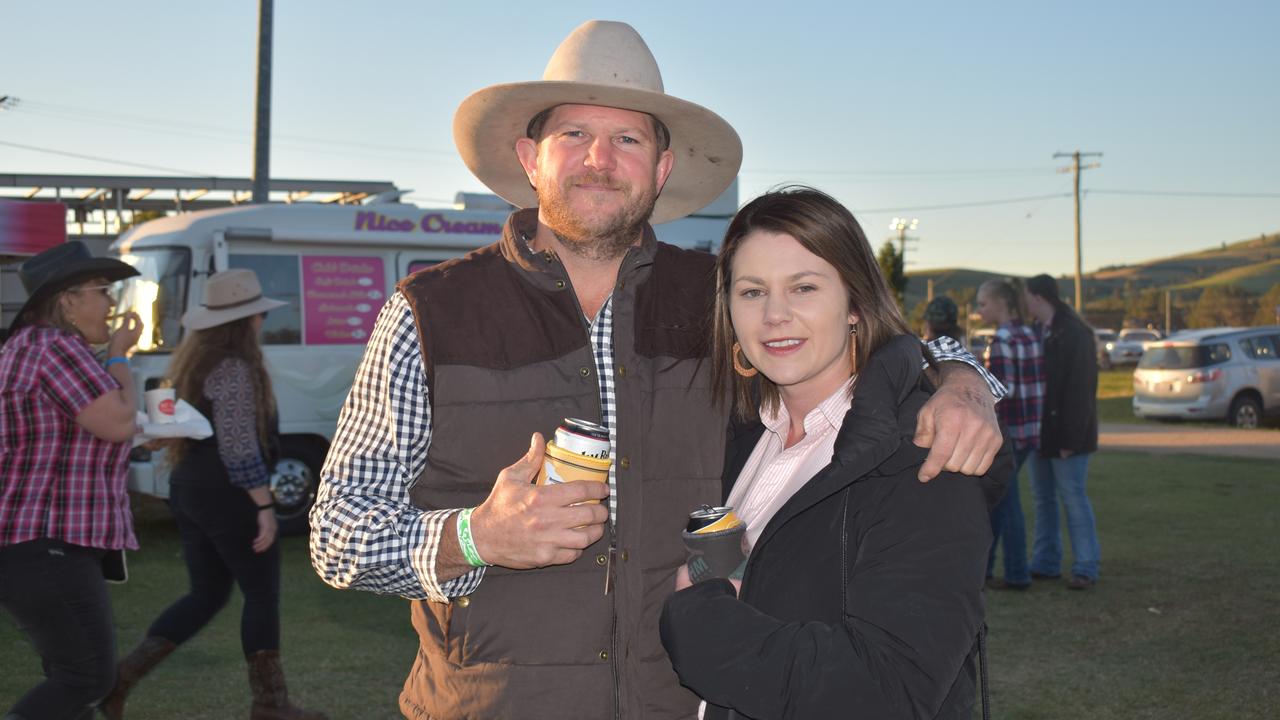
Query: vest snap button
559	284
462	602
601	559
625	556
604	654
584	371
622	371
625	463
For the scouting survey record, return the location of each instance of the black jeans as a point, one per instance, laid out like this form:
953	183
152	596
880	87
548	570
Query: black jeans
56	594
218	525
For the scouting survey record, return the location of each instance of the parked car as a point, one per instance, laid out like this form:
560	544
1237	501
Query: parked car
1101	337
1220	373
1126	348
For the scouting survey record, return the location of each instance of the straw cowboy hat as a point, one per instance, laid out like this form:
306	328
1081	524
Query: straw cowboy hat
607	64
61	267
229	295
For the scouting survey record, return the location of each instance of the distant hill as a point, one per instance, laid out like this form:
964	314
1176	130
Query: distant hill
1250	264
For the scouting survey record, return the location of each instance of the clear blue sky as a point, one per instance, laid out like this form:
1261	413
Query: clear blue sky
885	105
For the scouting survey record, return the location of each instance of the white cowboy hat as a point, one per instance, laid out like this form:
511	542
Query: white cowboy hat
608	64
229	295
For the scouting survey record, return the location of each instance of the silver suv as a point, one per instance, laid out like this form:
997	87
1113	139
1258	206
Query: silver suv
1230	373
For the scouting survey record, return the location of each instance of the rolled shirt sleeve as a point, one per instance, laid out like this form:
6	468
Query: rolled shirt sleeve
365	532
946	349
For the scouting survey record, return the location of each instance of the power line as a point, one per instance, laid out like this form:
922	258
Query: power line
953	206
901	173
96	158
1178	193
85	115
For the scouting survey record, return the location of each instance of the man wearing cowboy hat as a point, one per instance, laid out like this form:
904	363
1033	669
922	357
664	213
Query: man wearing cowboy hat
536	601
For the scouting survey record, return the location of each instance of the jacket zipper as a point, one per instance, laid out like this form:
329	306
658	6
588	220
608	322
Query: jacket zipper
613	538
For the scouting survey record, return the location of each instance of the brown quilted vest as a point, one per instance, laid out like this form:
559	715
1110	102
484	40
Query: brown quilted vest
507	353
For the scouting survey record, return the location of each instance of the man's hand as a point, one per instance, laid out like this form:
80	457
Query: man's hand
526	526
959	425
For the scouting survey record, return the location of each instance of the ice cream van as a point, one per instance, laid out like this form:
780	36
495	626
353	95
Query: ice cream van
335	265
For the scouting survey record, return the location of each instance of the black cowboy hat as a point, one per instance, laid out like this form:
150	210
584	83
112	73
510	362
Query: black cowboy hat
60	267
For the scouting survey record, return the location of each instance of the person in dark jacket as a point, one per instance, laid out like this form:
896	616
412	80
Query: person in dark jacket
862	592
1068	438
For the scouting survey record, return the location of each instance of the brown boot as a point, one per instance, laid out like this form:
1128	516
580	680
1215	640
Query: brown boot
270	695
132	668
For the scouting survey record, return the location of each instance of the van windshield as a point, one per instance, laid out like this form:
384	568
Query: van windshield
1183	357
158	295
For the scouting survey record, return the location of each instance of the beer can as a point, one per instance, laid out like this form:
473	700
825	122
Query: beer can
579	450
707	519
583	438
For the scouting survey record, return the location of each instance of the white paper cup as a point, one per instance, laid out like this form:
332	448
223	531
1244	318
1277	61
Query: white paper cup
160	406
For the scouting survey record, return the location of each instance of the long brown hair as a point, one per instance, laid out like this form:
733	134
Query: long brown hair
200	352
827	229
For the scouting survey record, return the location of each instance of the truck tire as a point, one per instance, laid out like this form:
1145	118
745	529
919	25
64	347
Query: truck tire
1245	411
294	481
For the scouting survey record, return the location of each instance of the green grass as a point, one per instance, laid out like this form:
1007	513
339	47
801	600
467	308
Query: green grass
1256	278
1182	624
1115	396
344	652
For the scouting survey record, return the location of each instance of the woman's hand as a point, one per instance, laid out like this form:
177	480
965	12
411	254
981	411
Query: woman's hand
266	530
126	336
683	581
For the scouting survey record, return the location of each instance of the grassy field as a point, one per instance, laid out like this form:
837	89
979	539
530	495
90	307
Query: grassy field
1115	396
1182	624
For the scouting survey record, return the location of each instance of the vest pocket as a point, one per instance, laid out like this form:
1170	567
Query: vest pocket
548	616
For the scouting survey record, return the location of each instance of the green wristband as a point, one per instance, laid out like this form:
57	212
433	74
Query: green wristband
467	542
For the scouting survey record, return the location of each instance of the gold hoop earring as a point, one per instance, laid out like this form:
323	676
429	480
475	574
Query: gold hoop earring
741	367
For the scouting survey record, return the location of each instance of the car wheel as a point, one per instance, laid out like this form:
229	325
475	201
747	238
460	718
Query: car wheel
1245	412
294	481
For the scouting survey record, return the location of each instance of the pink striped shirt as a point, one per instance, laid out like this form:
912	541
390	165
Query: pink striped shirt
57	480
774	473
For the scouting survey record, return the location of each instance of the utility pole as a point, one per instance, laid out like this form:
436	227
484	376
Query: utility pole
262	121
1075	169
929	295
902	225
1168	312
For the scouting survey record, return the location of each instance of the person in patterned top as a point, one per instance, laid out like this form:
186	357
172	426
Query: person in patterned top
220	496
66	420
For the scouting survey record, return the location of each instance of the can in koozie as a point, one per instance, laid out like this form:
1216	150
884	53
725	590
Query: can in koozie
707	519
578	451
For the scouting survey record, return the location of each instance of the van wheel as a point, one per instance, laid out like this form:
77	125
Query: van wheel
1245	412
294	481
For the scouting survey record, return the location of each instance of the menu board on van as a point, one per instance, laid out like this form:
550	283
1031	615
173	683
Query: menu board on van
341	296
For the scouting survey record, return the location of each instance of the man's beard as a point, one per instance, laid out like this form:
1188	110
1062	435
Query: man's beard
596	238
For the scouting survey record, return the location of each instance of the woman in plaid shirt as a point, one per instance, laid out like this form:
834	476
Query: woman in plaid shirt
1016	357
65	425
